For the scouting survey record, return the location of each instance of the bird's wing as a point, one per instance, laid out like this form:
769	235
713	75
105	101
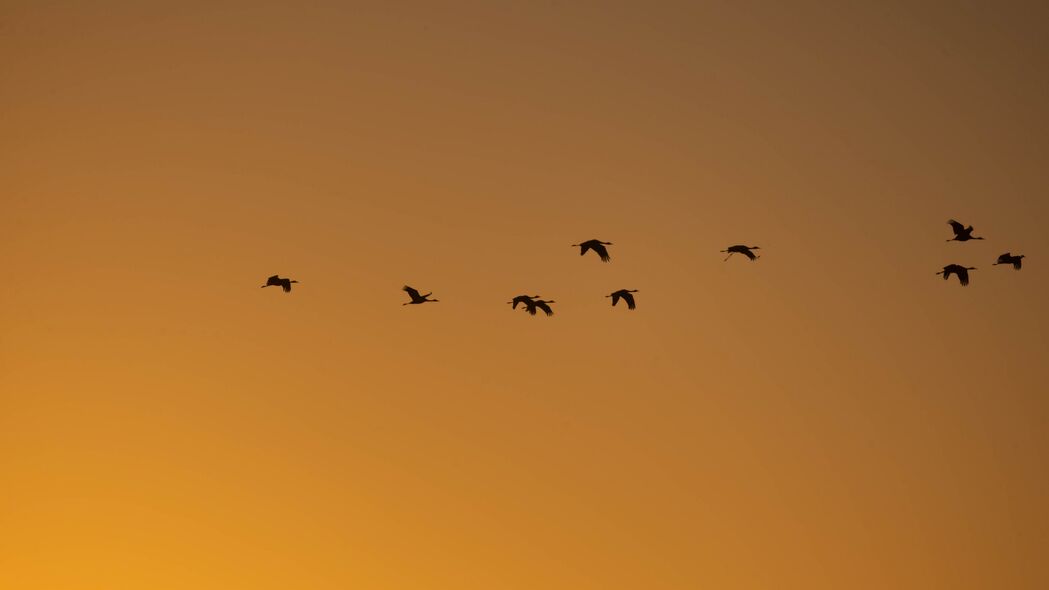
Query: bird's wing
274	280
629	298
411	292
963	276
615	298
286	285
602	252
543	306
530	307
1004	258
1017	263
584	247
957	227
746	252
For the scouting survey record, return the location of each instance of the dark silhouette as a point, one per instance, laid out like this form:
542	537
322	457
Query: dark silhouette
595	245
1007	258
961	271
276	281
522	299
625	294
744	250
416	297
533	304
961	233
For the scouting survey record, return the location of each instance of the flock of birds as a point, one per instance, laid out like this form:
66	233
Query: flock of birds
964	234
534	304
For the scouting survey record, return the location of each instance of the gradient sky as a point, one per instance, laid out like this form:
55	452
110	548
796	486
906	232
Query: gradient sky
832	416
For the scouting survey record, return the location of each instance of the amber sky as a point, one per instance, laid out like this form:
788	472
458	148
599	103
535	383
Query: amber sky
831	416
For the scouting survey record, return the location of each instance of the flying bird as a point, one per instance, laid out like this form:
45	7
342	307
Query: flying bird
961	233
276	281
1007	258
532	305
416	297
961	271
595	245
744	250
625	295
522	299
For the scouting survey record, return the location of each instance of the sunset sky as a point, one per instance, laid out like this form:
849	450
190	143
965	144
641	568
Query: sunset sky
831	416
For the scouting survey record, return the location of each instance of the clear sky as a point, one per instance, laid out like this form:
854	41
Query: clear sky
832	416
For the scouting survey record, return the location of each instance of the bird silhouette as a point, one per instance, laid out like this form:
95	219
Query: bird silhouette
595	245
533	304
625	294
1007	258
416	297
744	250
961	233
522	299
961	271
276	281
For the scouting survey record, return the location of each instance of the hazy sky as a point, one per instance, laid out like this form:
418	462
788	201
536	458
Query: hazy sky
832	416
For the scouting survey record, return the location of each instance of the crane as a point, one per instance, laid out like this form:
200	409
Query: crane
276	281
597	246
961	271
961	233
1007	258
744	250
625	295
416	297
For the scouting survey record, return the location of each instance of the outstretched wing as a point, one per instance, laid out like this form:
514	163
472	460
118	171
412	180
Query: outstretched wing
274	280
602	252
543	306
957	227
1005	258
963	276
530	307
584	247
411	292
615	298
746	252
1018	262
629	298
286	285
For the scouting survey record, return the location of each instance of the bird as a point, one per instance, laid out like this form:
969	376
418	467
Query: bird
961	271
625	294
416	297
276	281
961	233
744	250
534	304
595	245
1007	258
522	299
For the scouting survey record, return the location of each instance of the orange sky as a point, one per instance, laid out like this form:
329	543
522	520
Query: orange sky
831	416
